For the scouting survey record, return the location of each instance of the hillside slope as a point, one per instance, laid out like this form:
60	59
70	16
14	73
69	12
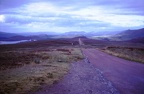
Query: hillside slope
129	34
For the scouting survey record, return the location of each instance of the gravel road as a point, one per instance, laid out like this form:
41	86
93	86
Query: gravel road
126	76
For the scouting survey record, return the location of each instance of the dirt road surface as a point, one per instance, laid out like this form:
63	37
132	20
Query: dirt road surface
126	76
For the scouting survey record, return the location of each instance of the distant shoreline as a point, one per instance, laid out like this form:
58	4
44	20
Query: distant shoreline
13	42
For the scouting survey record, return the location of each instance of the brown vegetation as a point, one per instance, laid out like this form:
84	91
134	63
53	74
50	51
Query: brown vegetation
130	53
27	69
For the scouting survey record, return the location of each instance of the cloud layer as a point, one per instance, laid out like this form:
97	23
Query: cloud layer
70	15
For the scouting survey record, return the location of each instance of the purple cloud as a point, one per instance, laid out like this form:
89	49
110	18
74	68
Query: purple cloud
67	15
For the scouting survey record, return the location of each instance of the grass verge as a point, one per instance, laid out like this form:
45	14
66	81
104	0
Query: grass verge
129	53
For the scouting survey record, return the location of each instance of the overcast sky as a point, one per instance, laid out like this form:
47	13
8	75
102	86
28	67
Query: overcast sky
70	15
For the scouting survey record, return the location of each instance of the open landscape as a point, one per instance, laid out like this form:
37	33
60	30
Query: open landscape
71	47
27	67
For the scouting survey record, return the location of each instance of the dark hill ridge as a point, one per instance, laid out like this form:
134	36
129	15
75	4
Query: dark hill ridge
7	35
130	34
82	37
15	37
137	40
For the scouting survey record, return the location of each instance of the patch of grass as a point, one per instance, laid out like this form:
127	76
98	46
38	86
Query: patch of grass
12	59
133	54
37	67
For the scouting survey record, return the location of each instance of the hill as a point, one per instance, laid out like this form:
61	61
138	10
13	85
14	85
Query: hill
34	37
137	40
17	37
129	34
4	35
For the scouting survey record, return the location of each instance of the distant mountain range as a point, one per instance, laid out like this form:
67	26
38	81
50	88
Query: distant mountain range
89	34
128	35
72	34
